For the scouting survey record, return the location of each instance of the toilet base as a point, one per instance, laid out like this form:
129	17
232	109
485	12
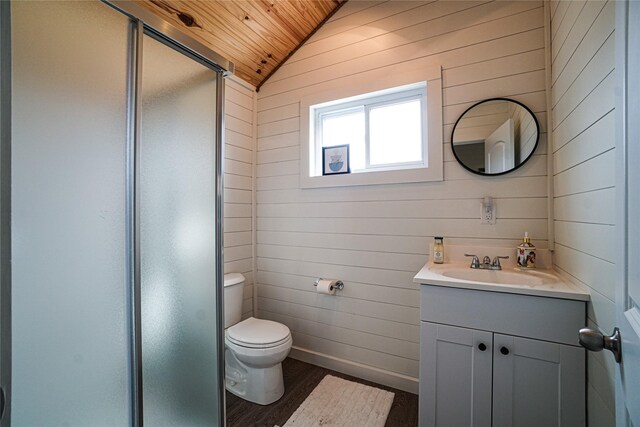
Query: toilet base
258	385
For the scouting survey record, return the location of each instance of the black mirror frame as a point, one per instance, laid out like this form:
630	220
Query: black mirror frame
535	119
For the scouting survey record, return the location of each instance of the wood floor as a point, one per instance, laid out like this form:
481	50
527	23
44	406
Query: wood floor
300	379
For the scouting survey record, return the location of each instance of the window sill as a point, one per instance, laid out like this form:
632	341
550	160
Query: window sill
372	178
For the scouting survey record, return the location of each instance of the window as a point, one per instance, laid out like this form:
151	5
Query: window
383	130
394	132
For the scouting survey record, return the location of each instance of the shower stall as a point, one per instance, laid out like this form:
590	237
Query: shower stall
111	219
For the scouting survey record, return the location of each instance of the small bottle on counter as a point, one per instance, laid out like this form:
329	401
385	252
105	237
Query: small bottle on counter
526	253
438	250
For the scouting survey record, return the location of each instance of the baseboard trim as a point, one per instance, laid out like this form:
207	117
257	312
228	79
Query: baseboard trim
369	373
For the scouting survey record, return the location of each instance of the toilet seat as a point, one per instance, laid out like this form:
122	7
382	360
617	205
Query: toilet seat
258	333
258	346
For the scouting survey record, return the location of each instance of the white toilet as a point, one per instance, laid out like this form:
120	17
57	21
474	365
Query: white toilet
254	349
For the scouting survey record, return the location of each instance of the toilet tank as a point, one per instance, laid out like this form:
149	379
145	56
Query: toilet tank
233	290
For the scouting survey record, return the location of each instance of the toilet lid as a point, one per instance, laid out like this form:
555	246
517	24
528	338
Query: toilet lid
233	279
257	332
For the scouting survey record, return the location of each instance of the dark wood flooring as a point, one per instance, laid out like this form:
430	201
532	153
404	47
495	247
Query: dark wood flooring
300	379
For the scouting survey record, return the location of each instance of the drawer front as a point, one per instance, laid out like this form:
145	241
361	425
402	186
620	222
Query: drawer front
549	319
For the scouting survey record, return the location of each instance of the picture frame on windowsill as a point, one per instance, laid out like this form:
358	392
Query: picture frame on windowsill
335	160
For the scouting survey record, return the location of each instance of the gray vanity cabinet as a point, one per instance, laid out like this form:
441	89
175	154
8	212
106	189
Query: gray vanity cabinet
499	359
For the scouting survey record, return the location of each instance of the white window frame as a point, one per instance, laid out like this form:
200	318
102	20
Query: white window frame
311	106
365	104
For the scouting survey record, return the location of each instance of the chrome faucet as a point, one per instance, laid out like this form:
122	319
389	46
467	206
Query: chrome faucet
475	262
487	264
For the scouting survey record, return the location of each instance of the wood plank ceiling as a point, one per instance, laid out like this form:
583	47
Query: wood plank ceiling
257	35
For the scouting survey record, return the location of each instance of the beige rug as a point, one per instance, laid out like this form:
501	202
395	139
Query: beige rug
338	402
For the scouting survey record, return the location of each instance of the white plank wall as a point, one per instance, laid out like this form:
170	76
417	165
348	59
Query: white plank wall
376	238
583	128
238	184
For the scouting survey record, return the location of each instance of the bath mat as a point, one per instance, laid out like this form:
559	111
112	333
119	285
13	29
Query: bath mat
336	402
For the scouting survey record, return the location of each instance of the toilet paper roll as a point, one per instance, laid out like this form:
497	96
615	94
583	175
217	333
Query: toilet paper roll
326	286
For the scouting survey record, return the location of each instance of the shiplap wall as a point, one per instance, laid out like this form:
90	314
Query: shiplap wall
238	184
376	238
584	172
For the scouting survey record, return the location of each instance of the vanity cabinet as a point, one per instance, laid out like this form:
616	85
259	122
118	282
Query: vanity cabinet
500	359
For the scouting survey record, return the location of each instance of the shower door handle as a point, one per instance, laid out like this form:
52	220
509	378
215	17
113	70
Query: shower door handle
2	400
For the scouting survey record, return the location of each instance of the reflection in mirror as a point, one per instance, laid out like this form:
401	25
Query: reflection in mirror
495	136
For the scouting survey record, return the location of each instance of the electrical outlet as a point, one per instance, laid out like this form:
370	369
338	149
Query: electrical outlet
487	213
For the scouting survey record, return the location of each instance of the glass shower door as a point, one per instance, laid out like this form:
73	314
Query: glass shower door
177	208
70	351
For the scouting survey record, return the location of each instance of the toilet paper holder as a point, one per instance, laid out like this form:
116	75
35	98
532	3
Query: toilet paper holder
339	284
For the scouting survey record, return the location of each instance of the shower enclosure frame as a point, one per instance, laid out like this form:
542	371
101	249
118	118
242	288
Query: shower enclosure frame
142	22
5	212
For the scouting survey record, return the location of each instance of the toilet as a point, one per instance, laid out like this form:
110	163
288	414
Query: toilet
254	349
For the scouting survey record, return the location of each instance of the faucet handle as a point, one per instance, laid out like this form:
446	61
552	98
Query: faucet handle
496	261
475	262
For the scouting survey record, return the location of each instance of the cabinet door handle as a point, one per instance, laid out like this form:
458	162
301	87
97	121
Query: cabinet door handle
504	350
482	346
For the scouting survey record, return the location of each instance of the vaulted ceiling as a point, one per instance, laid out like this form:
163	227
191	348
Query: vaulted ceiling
257	35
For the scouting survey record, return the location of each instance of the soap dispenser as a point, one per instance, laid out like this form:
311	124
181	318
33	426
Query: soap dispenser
526	253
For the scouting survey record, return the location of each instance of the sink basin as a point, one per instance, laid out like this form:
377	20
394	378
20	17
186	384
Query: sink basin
503	277
540	282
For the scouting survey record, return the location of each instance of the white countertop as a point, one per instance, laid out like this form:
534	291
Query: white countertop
536	282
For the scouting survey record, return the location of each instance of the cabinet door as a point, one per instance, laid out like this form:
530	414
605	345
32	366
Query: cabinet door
455	376
537	383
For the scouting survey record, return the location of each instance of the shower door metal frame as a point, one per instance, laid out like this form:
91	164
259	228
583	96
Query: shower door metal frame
5	213
173	34
133	218
138	30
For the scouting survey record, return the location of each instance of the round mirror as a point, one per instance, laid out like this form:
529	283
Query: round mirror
495	136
